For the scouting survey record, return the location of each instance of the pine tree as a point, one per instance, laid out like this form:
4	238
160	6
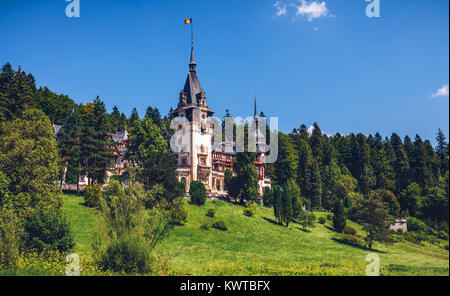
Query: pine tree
304	168
421	173
133	118
278	203
442	152
16	95
247	176
339	217
400	164
286	164
381	165
154	115
96	145
287	206
317	143
69	144
316	187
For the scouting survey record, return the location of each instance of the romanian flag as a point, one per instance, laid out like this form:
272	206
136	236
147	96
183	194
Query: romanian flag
188	21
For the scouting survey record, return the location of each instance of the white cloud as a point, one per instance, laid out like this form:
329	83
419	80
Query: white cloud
281	8
311	130
442	92
312	10
304	8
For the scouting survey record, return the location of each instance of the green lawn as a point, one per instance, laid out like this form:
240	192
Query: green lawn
257	246
82	220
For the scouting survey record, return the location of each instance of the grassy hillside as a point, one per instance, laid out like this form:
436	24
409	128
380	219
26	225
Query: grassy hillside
257	246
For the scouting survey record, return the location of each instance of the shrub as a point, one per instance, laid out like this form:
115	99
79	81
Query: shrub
126	235
179	212
306	220
220	225
48	231
350	240
127	254
442	235
350	230
10	233
416	237
250	209
93	195
322	220
198	193
268	197
330	217
211	213
416	225
204	226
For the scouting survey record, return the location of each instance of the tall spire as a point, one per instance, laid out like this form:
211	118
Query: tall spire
192	64
256	111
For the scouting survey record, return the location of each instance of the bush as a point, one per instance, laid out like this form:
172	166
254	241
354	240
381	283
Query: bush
127	234
442	235
179	212
211	213
322	220
204	226
198	193
48	231
127	254
306	220
93	195
416	225
10	233
330	217
350	230
416	237
220	225
250	209
351	241
268	197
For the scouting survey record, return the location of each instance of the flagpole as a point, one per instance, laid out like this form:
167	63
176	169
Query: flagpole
192	33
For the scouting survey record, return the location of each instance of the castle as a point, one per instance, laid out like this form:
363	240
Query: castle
203	161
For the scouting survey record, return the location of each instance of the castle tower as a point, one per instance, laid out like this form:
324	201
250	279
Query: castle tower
260	149
196	163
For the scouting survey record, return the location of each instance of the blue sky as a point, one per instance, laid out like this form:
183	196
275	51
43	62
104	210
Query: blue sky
307	61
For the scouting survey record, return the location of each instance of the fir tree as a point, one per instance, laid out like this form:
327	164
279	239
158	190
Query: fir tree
442	151
287	206
16	95
339	217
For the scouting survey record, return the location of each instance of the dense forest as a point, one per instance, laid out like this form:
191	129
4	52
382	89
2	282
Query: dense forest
409	175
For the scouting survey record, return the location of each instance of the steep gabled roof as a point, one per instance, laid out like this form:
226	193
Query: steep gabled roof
192	87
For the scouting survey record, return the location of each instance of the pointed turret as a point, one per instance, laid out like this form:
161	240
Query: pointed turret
192	63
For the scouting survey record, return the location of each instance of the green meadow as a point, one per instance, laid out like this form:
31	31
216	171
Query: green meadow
258	246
